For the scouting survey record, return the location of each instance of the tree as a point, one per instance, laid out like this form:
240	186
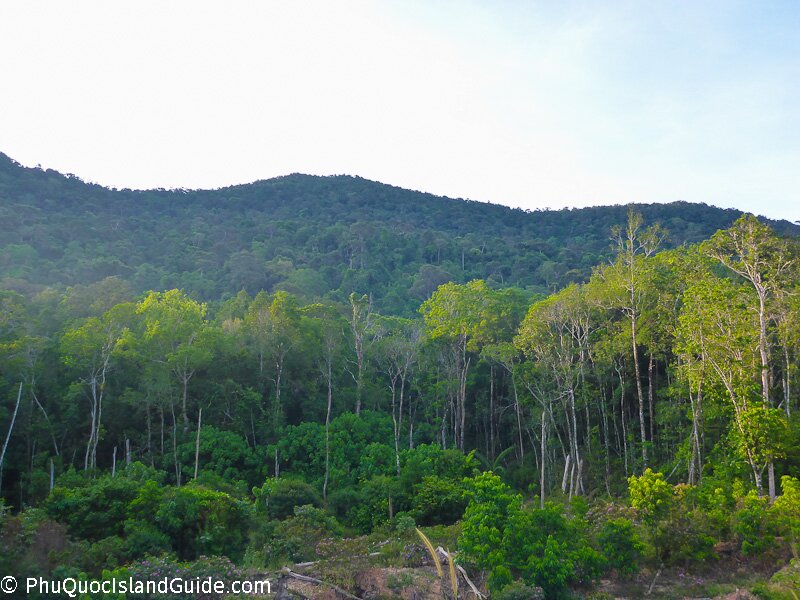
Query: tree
555	333
491	506
398	347
718	338
628	280
360	322
464	316
88	348
753	251
787	509
176	336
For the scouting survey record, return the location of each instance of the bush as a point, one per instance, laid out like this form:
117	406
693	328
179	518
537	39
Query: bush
294	539
786	511
650	495
404	523
439	501
543	547
620	545
156	569
519	591
491	505
753	525
191	520
95	510
279	497
224	454
499	578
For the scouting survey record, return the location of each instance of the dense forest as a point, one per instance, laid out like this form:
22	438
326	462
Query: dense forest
328	364
315	237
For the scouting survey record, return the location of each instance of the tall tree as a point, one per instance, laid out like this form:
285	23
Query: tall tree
753	251
464	316
555	334
718	341
360	322
628	278
88	348
176	337
398	347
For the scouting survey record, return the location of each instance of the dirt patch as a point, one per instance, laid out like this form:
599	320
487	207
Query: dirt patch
405	583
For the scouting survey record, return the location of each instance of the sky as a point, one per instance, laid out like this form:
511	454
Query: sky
563	103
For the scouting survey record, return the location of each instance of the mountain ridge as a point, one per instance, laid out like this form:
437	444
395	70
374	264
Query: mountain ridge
4	158
316	236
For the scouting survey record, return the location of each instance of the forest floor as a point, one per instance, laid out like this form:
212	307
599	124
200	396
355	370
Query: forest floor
725	579
368	569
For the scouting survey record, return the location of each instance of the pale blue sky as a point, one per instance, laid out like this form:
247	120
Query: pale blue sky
531	104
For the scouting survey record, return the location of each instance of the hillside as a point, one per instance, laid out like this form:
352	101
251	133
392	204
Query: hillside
313	236
589	439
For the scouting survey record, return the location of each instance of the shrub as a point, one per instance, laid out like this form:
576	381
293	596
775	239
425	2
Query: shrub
295	539
404	523
204	521
753	525
650	495
439	501
620	545
279	497
490	506
95	510
787	512
499	578
519	591
156	569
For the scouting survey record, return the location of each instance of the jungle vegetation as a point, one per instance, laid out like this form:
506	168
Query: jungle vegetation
195	378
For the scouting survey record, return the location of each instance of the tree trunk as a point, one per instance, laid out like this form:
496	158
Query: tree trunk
197	443
327	431
639	392
541	471
490	450
771	480
8	435
651	396
762	346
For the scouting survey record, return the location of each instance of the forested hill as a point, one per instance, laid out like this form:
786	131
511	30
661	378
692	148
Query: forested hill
313	236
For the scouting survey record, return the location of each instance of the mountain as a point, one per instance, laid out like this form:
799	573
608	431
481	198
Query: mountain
314	236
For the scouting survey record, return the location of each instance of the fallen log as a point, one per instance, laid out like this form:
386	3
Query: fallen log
308	579
443	553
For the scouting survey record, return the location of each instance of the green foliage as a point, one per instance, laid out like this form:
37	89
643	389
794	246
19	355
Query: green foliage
225	454
763	434
278	498
299	233
216	568
650	495
96	510
787	512
294	539
519	591
753	525
543	546
620	545
438	501
552	570
491	505
551	550
499	578
404	523
190	520
109	378
357	449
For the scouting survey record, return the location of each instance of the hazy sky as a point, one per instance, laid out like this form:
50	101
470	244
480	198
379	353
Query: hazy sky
531	104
